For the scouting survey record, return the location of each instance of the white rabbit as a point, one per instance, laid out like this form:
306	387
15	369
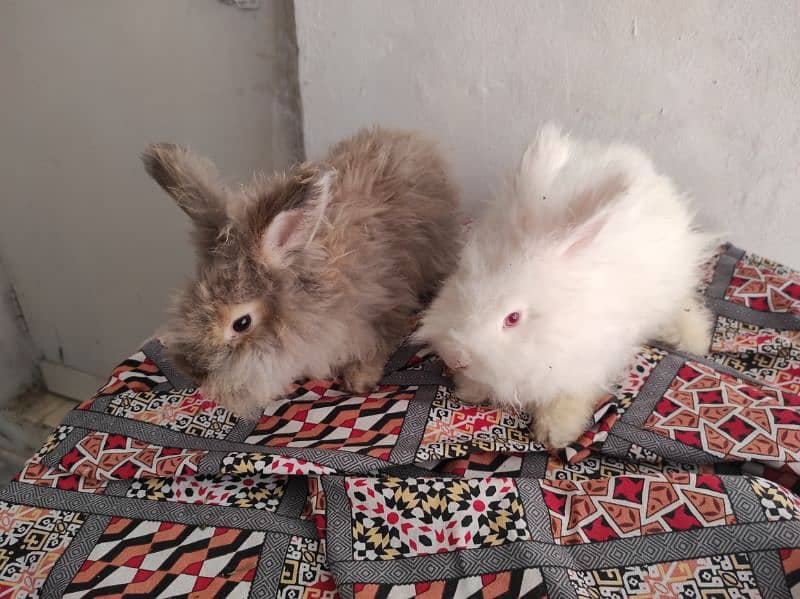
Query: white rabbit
587	254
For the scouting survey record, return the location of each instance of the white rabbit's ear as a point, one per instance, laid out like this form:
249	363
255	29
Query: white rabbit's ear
295	226
193	183
590	211
541	162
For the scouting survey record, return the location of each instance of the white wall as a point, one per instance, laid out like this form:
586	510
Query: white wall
711	89
17	361
92	246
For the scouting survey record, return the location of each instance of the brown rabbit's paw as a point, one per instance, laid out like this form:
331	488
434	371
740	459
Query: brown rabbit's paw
360	377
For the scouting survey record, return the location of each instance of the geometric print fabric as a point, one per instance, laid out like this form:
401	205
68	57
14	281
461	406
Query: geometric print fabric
180	410
164	559
255	492
151	489
32	540
370	425
524	584
631	506
767	354
718	577
394	517
764	285
727	417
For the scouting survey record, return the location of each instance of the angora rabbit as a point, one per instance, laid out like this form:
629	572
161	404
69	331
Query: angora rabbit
589	253
310	273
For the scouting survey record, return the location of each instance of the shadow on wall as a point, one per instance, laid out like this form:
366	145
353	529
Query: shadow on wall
17	374
17	361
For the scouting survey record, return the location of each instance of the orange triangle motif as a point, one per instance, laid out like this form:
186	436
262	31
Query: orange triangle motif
737	397
710	507
682	397
778	301
659	496
148	457
702	383
759	417
170	466
93	446
716	441
761	446
652	528
789	438
747	272
626	518
109	461
581	507
752	288
597	486
715	413
683	418
775	281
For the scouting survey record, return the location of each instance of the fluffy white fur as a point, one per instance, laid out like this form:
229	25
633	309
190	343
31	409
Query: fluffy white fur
597	252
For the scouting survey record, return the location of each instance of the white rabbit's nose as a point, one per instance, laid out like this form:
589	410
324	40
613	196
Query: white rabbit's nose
458	365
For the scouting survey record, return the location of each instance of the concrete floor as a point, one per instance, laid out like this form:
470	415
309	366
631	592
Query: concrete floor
25	424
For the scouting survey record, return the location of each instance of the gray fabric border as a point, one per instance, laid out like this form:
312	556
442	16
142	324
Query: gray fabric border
536	513
745	503
241	430
653	389
768	570
674	546
413	471
723	272
400	357
415	378
74	556
711	363
663	446
772	320
160	511
413	429
101	403
557	583
616	447
211	463
339	543
154	350
346	591
534	464
117	488
294	497
151	433
270	565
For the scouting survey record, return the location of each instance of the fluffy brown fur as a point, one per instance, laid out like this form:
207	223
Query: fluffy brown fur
327	260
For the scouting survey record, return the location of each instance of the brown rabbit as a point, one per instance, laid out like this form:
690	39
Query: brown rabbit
310	273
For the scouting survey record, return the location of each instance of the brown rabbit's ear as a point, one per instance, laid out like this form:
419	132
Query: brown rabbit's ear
193	183
295	225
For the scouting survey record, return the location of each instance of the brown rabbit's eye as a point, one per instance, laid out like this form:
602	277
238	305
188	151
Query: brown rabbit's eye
240	325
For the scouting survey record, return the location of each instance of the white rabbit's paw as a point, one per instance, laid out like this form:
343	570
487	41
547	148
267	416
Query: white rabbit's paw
562	421
470	392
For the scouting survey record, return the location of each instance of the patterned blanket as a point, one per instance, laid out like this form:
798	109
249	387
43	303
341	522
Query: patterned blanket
686	485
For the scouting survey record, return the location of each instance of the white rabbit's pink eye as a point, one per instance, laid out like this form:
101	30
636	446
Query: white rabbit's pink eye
241	324
511	320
